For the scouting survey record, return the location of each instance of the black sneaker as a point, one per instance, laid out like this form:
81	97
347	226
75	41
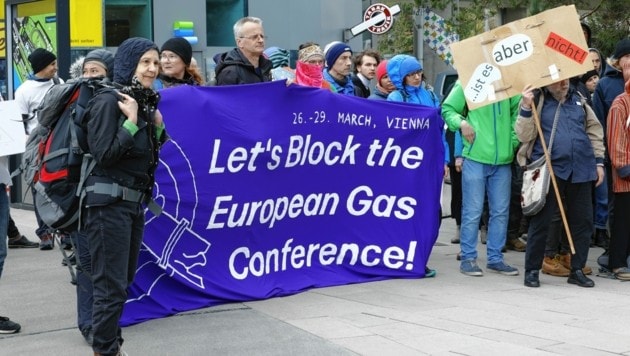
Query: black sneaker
601	238
22	242
8	327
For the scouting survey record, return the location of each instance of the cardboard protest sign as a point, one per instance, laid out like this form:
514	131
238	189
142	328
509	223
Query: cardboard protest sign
12	136
537	50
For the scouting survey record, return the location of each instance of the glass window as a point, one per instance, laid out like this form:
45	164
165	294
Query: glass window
127	18
220	18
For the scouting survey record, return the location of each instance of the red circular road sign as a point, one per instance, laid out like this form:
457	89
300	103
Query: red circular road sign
380	10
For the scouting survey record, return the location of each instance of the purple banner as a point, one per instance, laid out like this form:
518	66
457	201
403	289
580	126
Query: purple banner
269	190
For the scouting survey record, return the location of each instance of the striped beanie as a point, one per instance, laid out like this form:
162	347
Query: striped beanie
278	56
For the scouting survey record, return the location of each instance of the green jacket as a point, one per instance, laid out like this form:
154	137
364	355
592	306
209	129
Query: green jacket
495	140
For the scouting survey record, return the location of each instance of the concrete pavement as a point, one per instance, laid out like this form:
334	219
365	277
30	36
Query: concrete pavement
451	314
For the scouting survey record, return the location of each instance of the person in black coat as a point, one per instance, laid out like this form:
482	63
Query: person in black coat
124	134
246	63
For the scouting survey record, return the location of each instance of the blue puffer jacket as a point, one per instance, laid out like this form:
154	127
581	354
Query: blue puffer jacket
397	68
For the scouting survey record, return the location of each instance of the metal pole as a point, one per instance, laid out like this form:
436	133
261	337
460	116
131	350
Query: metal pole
63	37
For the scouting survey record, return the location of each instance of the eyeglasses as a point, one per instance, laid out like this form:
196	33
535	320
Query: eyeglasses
418	73
254	37
169	57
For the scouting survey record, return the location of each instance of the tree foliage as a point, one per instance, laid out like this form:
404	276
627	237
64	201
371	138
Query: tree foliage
399	39
609	20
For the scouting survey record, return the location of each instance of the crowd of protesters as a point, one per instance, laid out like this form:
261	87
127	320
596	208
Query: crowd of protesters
484	157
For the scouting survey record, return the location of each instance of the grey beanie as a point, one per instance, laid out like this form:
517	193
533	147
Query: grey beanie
104	57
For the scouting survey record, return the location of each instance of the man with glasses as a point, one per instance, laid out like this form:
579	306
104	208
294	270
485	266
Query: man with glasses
245	64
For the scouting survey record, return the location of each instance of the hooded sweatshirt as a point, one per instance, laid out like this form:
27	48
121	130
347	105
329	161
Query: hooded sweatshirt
495	140
608	87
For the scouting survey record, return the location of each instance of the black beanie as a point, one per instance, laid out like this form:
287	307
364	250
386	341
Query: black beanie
622	48
586	76
179	46
40	59
104	57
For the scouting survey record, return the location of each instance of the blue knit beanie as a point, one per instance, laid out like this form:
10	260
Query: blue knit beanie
335	51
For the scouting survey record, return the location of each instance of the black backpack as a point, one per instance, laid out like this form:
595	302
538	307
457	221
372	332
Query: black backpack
56	161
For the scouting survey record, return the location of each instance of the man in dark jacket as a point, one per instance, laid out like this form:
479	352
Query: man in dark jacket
364	71
246	63
577	157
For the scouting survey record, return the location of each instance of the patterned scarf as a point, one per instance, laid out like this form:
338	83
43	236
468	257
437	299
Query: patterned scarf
309	74
305	54
147	98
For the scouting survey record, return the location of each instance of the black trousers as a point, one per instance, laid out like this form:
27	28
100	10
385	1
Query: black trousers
85	291
516	213
456	194
12	230
114	236
578	206
620	237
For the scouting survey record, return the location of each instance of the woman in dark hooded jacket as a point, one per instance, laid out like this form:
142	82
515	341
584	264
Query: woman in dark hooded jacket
124	134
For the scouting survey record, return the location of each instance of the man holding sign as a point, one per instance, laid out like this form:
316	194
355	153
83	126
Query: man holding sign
549	47
577	157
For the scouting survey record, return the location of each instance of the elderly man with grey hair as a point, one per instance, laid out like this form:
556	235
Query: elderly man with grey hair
245	64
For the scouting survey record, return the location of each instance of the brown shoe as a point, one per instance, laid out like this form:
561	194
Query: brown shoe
553	267
565	260
515	245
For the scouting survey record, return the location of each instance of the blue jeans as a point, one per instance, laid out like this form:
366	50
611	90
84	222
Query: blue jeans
4	223
477	179
601	206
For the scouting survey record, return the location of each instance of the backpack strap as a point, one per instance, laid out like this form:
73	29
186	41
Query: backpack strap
87	166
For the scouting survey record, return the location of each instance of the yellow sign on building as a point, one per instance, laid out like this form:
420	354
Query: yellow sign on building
3	34
86	23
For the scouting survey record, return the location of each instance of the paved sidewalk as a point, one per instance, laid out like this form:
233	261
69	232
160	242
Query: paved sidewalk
451	314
